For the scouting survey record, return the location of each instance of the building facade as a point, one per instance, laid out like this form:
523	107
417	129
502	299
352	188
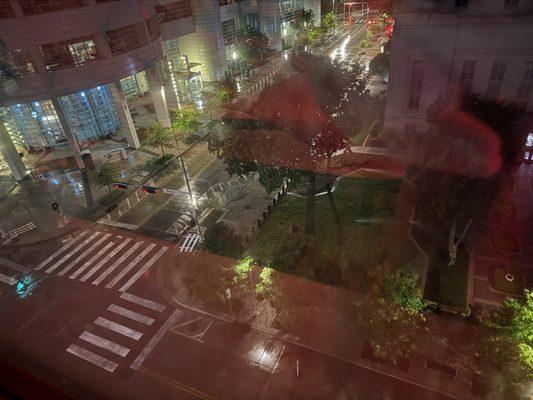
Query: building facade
441	47
67	79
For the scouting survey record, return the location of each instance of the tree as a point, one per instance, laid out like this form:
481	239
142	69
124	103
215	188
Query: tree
226	89
460	164
186	121
379	65
220	239
391	312
505	352
106	174
159	136
243	273
253	45
328	22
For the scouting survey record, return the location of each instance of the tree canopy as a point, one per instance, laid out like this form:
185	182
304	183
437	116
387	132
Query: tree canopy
106	174
159	136
186	121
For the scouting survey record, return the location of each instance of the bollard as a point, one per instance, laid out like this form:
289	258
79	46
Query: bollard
264	215
274	202
279	196
258	223
269	208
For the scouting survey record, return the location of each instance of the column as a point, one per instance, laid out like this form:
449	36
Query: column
157	91
72	142
124	115
11	155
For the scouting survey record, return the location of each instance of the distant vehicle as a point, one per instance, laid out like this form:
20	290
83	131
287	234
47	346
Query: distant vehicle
116	155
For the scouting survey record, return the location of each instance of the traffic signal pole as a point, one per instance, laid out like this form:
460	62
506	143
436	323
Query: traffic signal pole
186	176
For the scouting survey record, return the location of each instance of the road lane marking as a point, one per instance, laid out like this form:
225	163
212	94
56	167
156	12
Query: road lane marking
156	338
104	343
7	279
61	250
131	314
108	271
72	252
142	270
14	266
176	384
142	302
123	330
130	266
104	260
83	255
91	261
92	357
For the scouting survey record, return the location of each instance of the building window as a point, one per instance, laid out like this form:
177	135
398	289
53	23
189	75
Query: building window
19	62
496	77
250	22
510	3
461	3
32	7
6	11
415	90
229	31
467	75
123	39
524	90
173	11
68	53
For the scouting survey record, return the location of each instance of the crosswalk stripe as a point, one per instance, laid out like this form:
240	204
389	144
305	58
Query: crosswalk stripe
142	270
72	252
108	271
61	250
130	266
104	343
123	330
131	314
7	279
80	257
142	302
92	357
91	261
104	260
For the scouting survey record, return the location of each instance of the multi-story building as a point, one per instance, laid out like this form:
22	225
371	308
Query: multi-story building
68	67
440	47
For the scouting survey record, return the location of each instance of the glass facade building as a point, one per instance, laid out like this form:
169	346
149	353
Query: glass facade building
91	115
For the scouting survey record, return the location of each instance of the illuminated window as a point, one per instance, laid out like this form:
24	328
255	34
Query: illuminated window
123	39
32	7
415	91
229	31
74	52
19	62
173	11
524	91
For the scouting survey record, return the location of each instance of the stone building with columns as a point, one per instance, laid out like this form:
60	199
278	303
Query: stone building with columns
69	67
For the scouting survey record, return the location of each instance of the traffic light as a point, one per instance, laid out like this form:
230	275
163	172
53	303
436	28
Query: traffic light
55	206
120	185
150	189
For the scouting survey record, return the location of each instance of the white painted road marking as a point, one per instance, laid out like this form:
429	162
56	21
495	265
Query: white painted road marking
130	266
131	314
61	250
104	260
7	279
91	261
72	252
84	254
108	271
105	344
13	265
142	270
123	330
92	358
142	302
156	338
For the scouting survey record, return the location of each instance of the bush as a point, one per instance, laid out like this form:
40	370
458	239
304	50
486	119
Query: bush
221	240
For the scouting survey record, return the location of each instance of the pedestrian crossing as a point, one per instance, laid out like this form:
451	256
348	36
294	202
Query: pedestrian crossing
123	334
101	258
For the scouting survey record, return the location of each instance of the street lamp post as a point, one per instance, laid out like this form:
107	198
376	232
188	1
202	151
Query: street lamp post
193	206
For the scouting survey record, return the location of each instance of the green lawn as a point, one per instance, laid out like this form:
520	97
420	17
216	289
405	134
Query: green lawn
367	207
453	282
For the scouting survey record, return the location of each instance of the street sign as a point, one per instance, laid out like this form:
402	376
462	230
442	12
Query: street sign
173	191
